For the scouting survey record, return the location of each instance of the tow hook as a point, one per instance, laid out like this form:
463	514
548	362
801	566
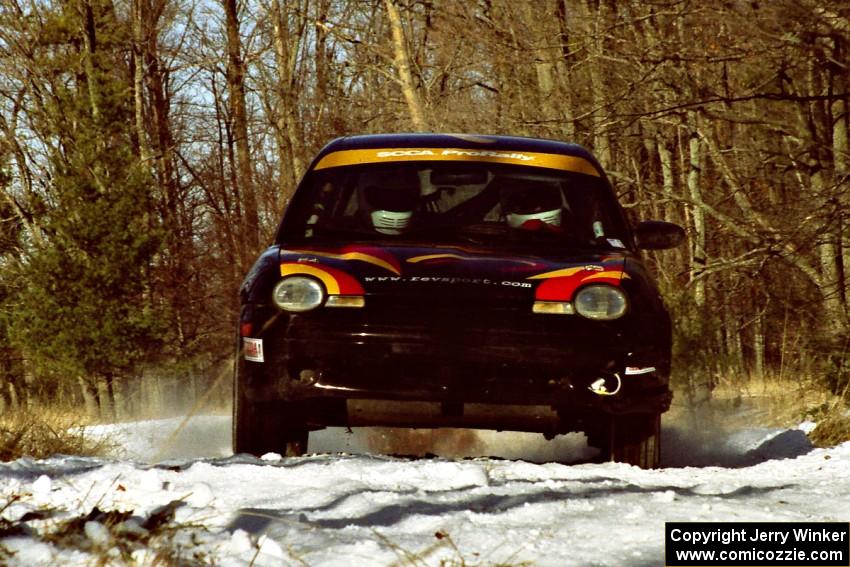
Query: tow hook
606	385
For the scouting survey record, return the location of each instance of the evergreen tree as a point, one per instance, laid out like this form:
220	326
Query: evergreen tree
10	370
87	311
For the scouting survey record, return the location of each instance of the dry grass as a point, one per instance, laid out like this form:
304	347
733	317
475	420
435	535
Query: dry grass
771	401
775	402
43	432
834	425
833	429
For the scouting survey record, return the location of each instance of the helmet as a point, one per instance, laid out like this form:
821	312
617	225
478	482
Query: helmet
541	203
390	208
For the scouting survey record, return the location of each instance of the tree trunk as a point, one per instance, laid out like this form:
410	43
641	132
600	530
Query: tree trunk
698	241
402	66
732	342
14	401
106	396
119	395
239	129
759	347
562	69
139	66
90	399
147	394
829	256
544	55
89	47
291	165
601	139
225	207
841	160
665	156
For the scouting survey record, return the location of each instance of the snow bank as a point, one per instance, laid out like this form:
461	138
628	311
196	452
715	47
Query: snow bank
364	510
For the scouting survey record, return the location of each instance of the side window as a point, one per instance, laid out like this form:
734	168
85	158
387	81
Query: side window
583	213
600	220
319	203
320	208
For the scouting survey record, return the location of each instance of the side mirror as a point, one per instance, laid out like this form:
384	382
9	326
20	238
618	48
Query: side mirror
658	235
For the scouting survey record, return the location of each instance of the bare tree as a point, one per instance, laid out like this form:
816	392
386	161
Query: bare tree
239	126
402	65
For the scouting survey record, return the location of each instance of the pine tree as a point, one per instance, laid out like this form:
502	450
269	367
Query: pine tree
10	370
87	312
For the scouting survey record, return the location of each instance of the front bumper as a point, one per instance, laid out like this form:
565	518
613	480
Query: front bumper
455	366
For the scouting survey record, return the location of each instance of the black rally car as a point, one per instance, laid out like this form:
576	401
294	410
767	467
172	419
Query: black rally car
435	280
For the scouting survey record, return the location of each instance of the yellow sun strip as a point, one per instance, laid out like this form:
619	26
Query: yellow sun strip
616	275
351	256
297	269
562	273
516	157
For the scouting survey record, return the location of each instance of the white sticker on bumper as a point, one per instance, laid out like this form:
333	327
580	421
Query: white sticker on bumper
253	349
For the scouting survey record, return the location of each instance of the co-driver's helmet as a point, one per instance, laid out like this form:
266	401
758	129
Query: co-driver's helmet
536	202
390	207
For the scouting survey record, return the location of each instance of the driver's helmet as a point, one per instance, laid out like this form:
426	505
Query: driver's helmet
390	208
533	206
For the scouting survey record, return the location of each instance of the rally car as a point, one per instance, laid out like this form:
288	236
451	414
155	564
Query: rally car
430	280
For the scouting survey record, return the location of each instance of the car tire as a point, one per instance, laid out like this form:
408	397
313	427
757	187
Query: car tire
631	439
267	427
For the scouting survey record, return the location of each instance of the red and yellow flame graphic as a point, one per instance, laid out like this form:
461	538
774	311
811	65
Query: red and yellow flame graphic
369	254
561	285
336	282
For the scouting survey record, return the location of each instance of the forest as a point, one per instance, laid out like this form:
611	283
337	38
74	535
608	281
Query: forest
149	147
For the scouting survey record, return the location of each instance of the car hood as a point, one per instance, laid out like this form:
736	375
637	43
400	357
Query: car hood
372	269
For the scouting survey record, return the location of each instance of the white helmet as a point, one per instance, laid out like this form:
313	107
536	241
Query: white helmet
390	208
536	202
391	222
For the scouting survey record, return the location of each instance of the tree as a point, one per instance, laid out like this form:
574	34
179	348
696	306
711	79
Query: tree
244	174
730	119
86	310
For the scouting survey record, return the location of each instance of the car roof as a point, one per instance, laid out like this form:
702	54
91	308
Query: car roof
460	141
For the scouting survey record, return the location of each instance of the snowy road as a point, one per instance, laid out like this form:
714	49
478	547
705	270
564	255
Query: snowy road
351	509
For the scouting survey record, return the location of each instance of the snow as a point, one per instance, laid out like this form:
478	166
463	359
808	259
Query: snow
185	496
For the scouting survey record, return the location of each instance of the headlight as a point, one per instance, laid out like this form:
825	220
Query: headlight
601	302
298	294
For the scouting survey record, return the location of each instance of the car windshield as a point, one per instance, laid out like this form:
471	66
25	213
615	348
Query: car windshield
502	205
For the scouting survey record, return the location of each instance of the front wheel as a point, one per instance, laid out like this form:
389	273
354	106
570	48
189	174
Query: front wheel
267	427
264	428
631	439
